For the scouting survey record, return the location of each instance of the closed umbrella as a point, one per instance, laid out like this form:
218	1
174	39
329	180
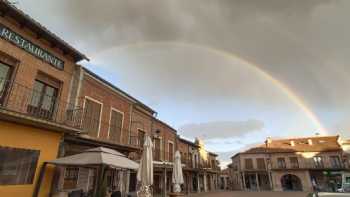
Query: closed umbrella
145	171
177	173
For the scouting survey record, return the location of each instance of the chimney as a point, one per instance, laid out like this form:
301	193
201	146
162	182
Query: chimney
309	141
292	143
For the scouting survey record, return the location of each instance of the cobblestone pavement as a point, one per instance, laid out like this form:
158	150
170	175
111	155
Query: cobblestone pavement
250	194
264	194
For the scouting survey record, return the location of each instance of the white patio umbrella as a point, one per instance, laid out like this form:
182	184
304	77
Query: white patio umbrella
102	157
177	173
98	156
145	171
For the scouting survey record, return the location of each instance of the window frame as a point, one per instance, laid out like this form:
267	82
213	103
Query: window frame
257	163
7	86
294	165
338	161
101	111
281	160
160	146
251	162
30	170
317	162
34	109
75	179
173	152
110	120
139	130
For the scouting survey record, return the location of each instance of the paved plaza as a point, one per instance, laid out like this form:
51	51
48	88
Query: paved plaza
261	194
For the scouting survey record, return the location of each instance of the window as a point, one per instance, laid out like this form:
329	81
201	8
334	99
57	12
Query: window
5	73
261	163
347	179
190	160
92	177
71	175
213	163
141	136
248	164
294	162
157	152
43	100
115	126
92	114
195	161
318	162
281	162
17	166
171	152
335	161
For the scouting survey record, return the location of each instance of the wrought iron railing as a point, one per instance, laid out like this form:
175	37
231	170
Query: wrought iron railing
135	141
18	98
308	164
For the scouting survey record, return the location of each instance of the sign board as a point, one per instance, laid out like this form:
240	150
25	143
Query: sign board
31	48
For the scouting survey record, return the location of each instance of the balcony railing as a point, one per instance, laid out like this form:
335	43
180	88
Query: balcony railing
307	165
135	141
18	98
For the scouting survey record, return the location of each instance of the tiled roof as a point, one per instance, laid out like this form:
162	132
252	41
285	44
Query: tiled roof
308	144
346	142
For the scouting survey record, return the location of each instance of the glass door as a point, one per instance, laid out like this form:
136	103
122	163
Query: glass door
43	100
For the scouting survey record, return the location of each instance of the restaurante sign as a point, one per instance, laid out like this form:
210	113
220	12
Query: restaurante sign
31	48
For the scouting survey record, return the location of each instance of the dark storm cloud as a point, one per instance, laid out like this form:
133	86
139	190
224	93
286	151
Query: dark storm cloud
304	44
221	130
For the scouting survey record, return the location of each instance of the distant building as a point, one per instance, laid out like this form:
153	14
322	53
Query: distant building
292	165
224	183
201	169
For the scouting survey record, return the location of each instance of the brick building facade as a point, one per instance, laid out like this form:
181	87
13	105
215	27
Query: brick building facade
36	69
62	108
292	165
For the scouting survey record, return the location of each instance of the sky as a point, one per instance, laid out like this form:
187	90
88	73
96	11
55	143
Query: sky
231	72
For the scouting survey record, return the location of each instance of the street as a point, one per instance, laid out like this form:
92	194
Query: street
261	194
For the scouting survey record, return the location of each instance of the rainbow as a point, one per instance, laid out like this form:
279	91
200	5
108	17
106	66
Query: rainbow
280	85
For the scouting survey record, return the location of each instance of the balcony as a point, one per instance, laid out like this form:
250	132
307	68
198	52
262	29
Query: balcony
307	164
20	103
135	141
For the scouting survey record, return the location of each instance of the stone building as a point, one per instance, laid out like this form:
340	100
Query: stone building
209	168
291	165
224	179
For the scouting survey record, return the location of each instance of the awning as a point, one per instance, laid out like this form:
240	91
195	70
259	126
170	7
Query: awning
98	156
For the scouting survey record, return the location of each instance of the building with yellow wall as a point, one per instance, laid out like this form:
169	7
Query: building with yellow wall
24	137
36	70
